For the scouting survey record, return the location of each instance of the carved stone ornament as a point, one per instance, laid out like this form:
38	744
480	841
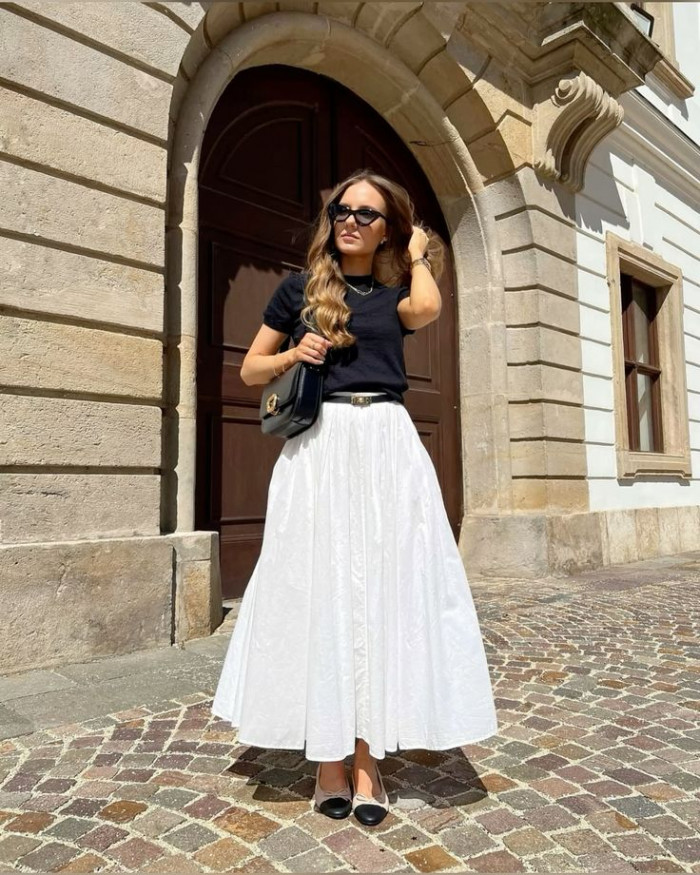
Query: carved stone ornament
570	125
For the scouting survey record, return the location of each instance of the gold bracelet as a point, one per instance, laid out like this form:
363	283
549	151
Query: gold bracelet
274	370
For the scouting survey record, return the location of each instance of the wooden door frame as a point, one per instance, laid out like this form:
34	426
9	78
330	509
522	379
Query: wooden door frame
465	205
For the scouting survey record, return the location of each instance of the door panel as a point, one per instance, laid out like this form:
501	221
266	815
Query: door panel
277	141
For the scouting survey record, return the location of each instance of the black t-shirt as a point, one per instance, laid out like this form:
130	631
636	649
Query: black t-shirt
375	362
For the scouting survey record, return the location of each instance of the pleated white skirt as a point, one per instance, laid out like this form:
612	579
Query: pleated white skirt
358	620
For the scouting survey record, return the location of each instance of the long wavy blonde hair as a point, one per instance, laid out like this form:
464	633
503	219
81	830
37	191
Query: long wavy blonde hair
325	310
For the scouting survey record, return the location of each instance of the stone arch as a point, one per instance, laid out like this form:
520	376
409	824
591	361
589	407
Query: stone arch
338	50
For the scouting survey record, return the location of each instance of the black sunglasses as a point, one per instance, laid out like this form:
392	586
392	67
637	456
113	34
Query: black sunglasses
363	216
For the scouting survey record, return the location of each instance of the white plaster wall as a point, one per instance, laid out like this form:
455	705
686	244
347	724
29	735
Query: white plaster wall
685	114
626	192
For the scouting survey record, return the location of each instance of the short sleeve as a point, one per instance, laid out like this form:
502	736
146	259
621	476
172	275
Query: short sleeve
404	292
286	303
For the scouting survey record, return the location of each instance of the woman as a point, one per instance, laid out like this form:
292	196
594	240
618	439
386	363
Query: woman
357	632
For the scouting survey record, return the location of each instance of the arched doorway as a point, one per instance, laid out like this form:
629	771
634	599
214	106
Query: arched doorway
277	140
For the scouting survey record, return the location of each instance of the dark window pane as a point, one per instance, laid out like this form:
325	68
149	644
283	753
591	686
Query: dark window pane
641	323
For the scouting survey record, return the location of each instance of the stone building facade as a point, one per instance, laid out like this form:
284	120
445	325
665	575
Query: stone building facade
561	145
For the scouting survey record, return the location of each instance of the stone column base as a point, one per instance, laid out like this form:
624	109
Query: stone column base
74	601
534	545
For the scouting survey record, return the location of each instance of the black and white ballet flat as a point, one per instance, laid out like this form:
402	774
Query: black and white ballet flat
332	803
370	810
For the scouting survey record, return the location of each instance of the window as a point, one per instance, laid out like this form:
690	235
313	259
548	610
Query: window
642	372
651	404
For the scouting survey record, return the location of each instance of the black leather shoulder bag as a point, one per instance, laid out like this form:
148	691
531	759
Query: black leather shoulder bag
291	402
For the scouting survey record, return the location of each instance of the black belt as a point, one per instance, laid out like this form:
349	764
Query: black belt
359	399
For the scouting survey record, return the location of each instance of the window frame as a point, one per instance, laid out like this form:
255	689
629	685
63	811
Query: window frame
666	70
632	259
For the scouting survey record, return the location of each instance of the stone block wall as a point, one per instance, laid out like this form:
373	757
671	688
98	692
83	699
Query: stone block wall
84	570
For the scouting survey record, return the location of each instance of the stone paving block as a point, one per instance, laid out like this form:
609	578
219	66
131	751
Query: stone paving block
206	807
498	822
101	838
433	821
173	864
607	863
498	861
687	850
70	828
554	788
582	841
558	862
495	783
636	845
550	817
121	811
684	780
467	840
137	792
661	792
525	774
523	800
359	850
135	852
207	765
49	857
191	837
250	826
222	854
629	776
689	811
636	806
524	842
287	842
405	838
666	826
29	822
21	781
46	802
14	847
316	860
84	807
585	803
174	797
85	863
431	859
659	865
157	821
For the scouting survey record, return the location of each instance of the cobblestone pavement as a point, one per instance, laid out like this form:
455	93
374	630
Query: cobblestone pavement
595	767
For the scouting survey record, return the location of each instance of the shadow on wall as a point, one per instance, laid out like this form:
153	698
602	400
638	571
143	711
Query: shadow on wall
599	200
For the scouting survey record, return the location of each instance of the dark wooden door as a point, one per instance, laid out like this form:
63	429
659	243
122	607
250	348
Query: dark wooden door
277	142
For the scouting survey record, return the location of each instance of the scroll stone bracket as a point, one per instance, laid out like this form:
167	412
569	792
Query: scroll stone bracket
569	124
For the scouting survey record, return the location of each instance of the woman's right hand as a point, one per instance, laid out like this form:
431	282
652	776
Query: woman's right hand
312	348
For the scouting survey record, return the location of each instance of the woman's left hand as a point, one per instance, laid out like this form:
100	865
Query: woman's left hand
418	243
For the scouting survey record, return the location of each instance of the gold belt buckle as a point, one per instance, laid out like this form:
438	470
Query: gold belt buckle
361	400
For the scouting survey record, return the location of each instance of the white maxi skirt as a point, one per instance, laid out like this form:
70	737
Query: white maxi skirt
358	620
